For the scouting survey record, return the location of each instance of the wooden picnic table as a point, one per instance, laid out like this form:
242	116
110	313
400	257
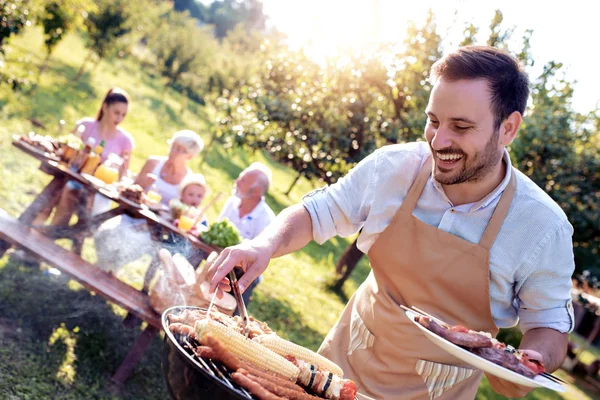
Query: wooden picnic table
39	241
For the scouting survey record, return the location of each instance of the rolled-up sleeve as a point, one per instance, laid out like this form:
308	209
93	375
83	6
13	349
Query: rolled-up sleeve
342	208
544	298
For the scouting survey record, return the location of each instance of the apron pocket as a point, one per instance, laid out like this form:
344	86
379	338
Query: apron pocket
361	337
440	377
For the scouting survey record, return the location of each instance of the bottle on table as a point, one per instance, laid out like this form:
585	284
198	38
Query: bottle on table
93	160
83	155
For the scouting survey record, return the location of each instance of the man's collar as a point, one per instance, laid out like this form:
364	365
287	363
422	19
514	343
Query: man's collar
254	210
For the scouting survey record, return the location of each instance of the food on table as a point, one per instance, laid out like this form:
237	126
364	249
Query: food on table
222	234
134	193
483	345
178	283
69	146
177	208
45	143
266	365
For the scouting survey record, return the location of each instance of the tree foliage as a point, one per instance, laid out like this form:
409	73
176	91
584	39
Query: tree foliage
321	118
180	47
57	17
225	15
14	15
107	25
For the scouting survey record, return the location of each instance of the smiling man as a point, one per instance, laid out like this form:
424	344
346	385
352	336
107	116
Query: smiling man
450	227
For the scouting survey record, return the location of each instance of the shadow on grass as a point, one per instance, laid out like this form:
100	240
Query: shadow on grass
36	304
281	318
159	105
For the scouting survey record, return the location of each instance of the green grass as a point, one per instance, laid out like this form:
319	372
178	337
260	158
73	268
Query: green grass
61	341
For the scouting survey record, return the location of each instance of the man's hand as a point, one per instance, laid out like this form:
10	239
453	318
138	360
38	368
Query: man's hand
509	389
290	231
251	256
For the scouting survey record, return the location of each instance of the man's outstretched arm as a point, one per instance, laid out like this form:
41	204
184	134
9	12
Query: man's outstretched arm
290	231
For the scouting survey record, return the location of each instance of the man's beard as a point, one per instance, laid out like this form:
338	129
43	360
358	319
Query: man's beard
472	170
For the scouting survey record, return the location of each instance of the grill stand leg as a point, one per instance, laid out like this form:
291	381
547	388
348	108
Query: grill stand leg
134	356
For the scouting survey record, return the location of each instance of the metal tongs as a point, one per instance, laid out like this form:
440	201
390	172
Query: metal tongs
238	299
240	303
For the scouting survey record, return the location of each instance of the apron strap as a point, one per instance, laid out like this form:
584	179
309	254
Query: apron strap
411	199
491	231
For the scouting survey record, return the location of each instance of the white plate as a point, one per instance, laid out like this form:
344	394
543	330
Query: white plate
93	180
483	364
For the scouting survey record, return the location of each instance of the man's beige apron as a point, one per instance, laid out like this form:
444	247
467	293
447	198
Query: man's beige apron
416	264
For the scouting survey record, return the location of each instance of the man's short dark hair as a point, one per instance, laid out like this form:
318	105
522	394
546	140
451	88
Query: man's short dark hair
505	75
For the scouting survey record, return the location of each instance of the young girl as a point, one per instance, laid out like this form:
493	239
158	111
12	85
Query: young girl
119	242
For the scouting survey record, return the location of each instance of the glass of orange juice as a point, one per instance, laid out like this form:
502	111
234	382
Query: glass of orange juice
154	197
186	220
106	174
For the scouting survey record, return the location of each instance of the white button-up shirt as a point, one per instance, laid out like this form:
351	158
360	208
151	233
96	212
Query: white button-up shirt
251	224
531	261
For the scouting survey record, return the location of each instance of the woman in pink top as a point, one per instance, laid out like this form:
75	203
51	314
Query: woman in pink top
116	140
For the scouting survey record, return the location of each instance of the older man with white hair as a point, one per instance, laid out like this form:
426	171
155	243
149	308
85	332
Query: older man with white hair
247	209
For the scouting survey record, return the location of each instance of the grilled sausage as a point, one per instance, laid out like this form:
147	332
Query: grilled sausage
285	392
254	387
248	369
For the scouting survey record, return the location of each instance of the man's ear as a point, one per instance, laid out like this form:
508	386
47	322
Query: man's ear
510	127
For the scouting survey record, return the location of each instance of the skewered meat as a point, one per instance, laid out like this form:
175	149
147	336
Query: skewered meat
221	340
324	383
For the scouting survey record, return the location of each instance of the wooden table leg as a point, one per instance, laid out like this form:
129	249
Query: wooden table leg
135	354
47	198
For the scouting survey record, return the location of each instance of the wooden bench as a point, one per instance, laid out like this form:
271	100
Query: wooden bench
93	278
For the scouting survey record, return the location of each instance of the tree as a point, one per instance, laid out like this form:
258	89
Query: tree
180	48
57	17
554	150
104	27
14	15
498	37
195	9
225	15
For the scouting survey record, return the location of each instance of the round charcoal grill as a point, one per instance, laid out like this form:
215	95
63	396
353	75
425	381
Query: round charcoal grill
190	377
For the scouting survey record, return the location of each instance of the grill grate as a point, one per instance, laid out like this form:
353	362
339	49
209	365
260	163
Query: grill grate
217	370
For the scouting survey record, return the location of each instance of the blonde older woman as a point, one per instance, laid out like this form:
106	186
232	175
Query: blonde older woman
123	239
171	171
